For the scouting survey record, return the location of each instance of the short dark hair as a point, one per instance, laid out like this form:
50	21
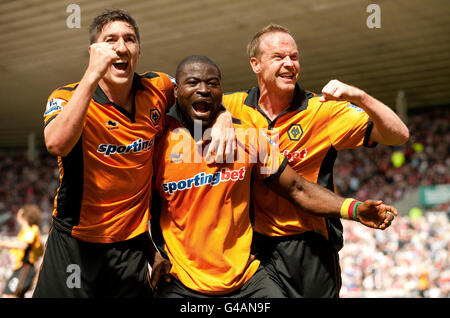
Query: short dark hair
110	15
195	59
253	45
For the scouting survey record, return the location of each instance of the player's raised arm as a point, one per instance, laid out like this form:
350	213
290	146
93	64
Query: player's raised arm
316	199
62	133
388	128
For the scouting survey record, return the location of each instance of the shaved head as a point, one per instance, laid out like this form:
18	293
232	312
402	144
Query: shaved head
195	59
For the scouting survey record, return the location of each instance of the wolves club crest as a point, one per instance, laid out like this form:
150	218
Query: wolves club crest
155	115
295	132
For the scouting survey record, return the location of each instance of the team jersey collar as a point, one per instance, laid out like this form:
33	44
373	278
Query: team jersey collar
101	98
175	113
300	101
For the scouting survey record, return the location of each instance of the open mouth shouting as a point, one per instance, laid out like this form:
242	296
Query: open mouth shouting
121	66
202	108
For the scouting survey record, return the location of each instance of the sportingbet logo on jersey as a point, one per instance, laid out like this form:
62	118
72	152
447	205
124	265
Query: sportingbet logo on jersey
203	179
295	155
54	105
136	146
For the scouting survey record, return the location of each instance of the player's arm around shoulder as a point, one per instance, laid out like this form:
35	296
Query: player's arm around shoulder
388	128
223	139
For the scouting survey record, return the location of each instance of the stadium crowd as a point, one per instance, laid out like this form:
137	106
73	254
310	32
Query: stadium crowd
410	259
391	173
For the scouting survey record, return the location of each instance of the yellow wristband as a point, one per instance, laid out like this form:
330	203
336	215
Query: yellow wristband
348	209
344	208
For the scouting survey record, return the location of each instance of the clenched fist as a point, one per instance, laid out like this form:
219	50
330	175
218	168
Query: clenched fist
102	56
336	90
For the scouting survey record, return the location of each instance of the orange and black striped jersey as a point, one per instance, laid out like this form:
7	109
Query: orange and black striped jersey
105	180
32	236
205	217
309	134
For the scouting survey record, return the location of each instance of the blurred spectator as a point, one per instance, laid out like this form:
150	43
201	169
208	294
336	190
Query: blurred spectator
22	181
26	248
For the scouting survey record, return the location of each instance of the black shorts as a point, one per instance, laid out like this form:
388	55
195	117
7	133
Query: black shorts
259	286
75	269
303	265
20	281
